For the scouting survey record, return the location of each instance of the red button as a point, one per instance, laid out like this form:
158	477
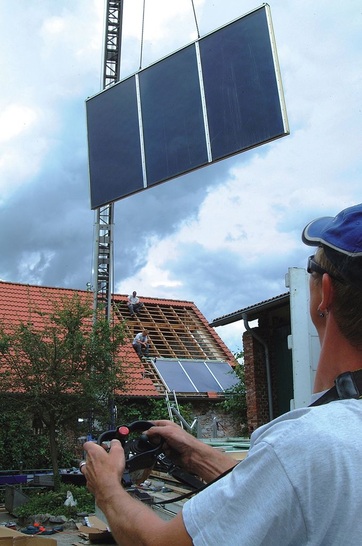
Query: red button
123	431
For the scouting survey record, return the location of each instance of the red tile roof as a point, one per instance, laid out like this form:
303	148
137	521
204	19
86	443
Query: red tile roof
19	301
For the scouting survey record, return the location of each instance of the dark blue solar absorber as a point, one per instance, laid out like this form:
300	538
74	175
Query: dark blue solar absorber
115	164
196	375
241	89
208	101
173	125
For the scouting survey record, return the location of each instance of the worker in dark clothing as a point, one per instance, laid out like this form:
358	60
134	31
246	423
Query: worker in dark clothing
140	343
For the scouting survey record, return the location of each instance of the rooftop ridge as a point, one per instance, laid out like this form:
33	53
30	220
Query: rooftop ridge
83	290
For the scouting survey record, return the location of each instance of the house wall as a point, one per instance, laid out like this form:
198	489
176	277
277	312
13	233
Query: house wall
255	381
274	331
213	422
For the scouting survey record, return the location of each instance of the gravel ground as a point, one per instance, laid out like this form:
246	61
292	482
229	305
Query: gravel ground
68	537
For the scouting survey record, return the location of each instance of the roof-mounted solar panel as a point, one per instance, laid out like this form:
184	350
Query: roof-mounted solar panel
195	376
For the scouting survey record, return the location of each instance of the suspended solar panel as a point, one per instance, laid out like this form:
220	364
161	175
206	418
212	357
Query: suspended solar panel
196	375
214	98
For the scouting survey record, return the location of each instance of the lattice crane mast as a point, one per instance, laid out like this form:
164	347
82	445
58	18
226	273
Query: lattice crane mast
103	251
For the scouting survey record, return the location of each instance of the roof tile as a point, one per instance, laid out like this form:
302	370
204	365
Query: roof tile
18	303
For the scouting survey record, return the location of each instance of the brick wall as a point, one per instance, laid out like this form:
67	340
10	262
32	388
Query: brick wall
255	381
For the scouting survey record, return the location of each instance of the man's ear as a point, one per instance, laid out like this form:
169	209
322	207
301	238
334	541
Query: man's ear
327	293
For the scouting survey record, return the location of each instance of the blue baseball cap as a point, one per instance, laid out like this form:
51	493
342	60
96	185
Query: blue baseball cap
341	239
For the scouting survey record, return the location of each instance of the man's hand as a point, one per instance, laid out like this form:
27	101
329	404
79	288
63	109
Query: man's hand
178	444
188	452
103	470
132	523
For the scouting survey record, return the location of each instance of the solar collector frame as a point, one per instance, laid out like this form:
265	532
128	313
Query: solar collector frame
211	99
195	376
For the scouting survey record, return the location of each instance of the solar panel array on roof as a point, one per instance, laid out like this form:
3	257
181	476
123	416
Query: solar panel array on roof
196	375
214	98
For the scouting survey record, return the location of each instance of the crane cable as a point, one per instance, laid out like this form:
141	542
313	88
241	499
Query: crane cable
196	24
142	32
143	28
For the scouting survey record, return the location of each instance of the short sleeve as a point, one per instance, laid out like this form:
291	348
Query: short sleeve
255	504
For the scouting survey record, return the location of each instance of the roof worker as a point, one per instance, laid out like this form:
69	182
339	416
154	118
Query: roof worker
300	482
134	304
141	343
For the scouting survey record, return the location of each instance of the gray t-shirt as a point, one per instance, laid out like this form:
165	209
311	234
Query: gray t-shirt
301	484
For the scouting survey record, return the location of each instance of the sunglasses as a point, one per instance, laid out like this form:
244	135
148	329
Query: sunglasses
314	267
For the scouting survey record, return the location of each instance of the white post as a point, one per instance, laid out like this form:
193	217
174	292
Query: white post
303	340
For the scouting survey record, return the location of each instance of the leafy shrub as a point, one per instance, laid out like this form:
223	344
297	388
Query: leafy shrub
235	400
52	502
148	410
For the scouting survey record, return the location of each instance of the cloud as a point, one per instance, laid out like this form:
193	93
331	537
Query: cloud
14	120
223	236
159	30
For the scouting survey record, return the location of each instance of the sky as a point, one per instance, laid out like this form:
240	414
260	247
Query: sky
223	236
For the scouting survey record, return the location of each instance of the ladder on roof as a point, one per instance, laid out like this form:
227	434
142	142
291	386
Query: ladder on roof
174	411
172	406
151	373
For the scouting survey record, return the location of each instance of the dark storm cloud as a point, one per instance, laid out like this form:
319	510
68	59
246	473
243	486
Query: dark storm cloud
158	211
53	225
222	281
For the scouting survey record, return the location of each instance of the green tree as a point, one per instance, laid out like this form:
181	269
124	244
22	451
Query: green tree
22	445
62	364
235	402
